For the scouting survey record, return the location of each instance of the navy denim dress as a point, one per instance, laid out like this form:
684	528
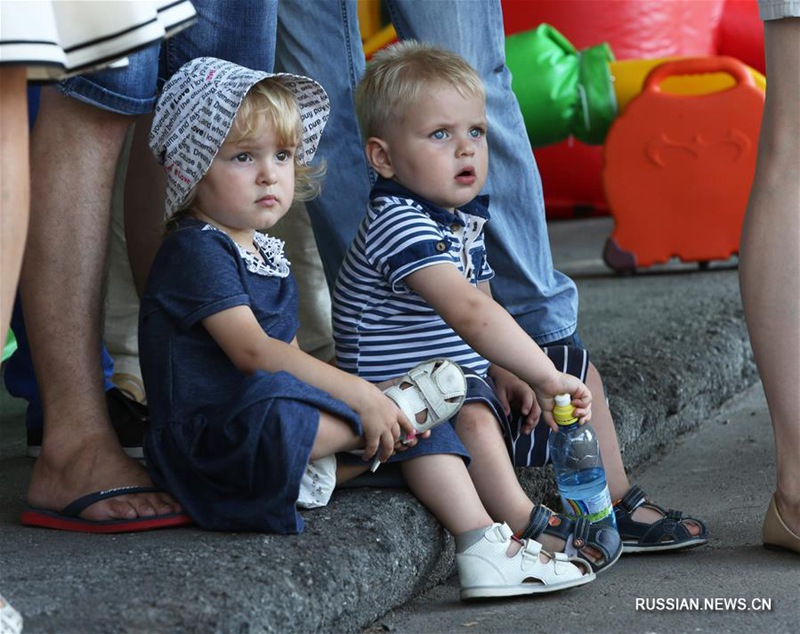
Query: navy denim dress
232	449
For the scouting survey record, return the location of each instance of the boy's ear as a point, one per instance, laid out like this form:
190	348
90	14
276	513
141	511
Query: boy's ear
377	151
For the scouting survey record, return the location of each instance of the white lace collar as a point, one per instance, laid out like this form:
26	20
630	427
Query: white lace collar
276	264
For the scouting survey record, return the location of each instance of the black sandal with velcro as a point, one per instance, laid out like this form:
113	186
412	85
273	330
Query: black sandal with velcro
668	533
578	534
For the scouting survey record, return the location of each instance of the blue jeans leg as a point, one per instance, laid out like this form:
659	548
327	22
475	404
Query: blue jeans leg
242	32
325	44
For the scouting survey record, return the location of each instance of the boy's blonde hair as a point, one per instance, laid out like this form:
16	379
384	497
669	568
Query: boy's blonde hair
398	76
268	102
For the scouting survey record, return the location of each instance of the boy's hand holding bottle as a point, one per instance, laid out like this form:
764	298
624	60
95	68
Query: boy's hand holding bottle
561	383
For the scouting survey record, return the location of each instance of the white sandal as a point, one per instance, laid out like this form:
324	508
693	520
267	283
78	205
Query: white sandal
441	388
485	570
436	387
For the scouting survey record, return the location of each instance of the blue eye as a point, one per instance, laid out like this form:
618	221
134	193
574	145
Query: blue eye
476	133
439	135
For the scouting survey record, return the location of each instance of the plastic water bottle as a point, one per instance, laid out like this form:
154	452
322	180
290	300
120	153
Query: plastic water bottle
581	479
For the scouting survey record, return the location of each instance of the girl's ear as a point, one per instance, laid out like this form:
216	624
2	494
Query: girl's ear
377	151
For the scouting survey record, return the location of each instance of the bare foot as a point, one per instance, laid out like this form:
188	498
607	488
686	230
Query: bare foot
66	471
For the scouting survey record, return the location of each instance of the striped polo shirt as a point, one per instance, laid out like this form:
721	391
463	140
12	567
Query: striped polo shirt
381	327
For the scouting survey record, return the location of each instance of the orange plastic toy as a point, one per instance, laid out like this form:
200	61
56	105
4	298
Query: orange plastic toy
678	168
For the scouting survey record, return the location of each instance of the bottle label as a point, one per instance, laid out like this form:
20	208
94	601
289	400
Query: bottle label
594	509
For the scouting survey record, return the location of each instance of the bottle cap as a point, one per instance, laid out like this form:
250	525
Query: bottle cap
564	412
563	399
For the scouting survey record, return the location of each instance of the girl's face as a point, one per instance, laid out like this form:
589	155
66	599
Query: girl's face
249	186
438	149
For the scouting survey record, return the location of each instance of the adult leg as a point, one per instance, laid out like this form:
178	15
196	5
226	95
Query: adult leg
144	189
20	380
325	43
74	149
20	377
769	260
543	300
14	185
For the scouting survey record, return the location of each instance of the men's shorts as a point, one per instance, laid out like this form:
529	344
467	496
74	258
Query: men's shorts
245	36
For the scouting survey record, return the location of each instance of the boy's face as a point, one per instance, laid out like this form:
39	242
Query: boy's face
249	186
438	149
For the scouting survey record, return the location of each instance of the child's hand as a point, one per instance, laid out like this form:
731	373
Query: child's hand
511	390
561	383
384	424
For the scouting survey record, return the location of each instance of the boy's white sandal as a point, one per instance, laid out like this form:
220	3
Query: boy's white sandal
485	569
441	390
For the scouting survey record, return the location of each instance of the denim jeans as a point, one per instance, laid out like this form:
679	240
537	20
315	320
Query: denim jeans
242	32
322	39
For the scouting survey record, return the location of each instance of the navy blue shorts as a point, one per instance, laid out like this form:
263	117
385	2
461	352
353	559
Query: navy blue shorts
526	450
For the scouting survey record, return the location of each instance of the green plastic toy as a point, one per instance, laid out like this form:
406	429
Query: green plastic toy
562	92
11	345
